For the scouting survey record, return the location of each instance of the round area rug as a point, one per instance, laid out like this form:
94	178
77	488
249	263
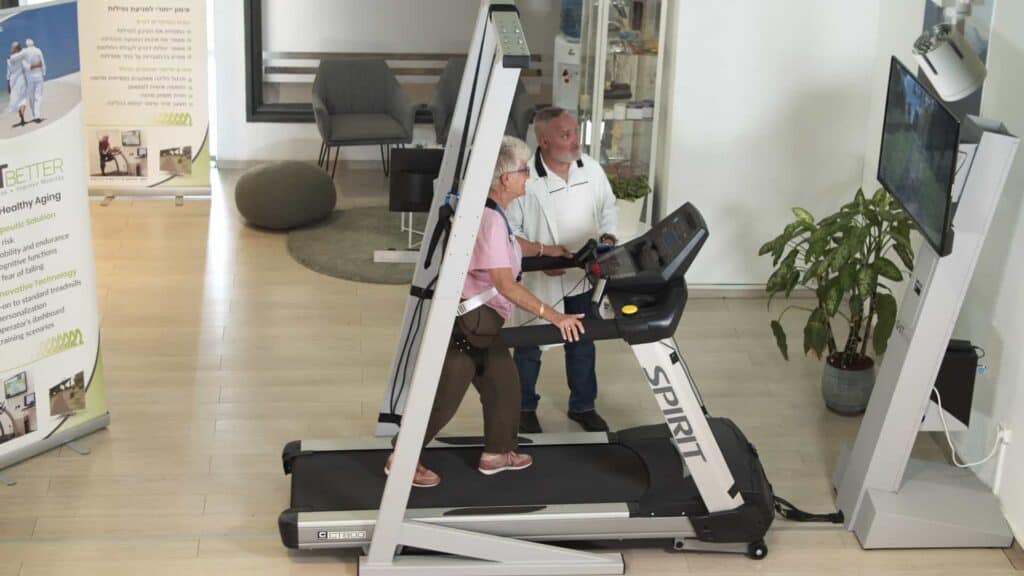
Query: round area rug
342	245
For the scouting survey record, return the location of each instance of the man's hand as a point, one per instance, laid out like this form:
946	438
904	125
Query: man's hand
558	251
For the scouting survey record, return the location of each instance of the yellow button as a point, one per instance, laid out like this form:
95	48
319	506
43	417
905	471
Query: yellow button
630	309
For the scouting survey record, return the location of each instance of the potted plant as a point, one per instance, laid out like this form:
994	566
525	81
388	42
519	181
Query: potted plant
628	191
845	260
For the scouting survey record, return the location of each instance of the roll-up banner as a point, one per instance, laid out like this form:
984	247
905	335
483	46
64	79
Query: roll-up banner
51	373
144	78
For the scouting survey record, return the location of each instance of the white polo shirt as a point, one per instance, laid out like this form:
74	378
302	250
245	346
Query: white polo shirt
577	210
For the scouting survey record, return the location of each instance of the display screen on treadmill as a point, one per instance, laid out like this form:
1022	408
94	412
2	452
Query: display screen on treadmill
618	264
671	237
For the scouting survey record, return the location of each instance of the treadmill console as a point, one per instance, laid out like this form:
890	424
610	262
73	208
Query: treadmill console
663	253
643	279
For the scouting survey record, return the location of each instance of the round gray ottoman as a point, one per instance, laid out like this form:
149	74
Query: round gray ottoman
283	195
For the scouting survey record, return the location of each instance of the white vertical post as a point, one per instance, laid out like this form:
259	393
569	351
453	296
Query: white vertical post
430	356
409	344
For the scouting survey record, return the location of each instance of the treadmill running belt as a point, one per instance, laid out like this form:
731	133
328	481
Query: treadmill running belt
573	474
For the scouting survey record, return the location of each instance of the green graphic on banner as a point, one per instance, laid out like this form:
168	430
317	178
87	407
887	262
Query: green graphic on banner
175	119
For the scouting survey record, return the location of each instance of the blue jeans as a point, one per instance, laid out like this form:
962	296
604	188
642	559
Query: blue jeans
580	360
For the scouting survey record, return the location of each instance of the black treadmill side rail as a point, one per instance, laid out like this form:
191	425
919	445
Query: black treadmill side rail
292	450
288	526
748	523
751	521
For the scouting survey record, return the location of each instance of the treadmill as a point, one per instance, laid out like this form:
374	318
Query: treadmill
689	477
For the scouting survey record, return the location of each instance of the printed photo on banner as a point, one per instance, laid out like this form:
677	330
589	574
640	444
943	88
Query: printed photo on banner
17	408
68	396
41	68
119	152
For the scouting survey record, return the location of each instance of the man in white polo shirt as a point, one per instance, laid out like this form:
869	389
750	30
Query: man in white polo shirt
568	201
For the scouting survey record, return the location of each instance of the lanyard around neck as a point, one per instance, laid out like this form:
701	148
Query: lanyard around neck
494	206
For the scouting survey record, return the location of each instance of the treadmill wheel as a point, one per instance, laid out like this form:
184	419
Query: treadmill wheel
757	550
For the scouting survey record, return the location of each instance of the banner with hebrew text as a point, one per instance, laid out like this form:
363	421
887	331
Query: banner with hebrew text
144	78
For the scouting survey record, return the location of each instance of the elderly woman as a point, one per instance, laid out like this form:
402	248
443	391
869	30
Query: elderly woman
476	353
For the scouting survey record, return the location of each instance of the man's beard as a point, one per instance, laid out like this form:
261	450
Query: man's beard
567	157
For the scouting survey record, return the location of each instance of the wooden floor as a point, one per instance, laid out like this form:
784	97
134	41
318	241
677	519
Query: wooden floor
219	349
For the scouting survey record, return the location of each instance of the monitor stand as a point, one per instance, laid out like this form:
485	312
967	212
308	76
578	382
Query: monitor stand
888	499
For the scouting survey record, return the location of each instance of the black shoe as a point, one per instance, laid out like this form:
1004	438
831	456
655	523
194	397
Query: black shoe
591	421
528	423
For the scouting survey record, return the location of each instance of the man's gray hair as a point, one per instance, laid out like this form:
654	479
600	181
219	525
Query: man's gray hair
543	117
511	156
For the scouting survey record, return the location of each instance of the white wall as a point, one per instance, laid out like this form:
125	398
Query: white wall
768	112
238	141
993	312
899	24
338	26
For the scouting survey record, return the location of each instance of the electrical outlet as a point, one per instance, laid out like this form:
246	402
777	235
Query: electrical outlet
1004	433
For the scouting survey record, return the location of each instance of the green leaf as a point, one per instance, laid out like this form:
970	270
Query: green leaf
833	298
885	308
887	269
803	215
815	337
780	338
767	247
848	276
792	279
816	247
775	281
901	232
856	307
905	254
858	199
790	259
840	256
873	218
778	249
880	199
866	280
812	271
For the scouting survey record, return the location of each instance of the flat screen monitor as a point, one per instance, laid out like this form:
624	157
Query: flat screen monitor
131	138
30	400
917	162
15	385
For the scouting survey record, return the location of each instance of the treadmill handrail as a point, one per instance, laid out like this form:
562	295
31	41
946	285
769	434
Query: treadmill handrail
538	263
594	329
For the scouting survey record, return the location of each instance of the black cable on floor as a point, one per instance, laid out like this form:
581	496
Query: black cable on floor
785	509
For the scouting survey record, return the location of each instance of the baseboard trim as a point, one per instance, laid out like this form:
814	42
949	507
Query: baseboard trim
1015	554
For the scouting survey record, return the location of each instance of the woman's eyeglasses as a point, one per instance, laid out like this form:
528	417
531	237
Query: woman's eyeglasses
523	170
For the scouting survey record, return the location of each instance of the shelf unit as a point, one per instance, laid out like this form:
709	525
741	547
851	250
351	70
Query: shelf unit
620	85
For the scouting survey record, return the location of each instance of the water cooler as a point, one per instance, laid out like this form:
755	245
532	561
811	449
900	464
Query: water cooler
565	80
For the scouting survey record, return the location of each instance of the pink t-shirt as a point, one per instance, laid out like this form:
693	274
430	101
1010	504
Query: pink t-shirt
494	249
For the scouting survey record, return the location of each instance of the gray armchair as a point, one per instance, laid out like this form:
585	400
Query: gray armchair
442	105
359	102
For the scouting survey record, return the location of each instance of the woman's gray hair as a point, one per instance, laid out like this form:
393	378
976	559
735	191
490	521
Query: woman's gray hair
512	154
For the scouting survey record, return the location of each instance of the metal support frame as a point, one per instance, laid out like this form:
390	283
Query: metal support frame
888	499
416	309
499	35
